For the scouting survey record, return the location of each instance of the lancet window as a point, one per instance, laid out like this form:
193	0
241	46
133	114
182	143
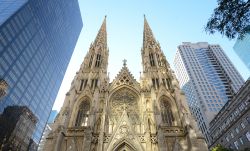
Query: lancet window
151	59
155	82
166	113
83	84
83	114
94	83
98	60
159	60
90	61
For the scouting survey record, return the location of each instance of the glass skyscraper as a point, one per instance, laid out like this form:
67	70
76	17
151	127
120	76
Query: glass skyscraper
208	78
37	39
242	49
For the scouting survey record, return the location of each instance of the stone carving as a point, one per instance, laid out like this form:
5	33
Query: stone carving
125	99
153	139
125	114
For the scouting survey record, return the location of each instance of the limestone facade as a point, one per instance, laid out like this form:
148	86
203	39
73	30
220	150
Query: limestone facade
150	115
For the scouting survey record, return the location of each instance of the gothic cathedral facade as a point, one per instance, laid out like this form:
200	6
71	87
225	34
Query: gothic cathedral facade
125	115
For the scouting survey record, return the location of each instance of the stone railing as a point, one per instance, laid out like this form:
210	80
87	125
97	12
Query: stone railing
173	131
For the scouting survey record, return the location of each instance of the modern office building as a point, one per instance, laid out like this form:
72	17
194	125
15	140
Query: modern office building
37	39
231	126
208	78
242	49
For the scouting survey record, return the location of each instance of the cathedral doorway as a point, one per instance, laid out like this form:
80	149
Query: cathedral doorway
124	147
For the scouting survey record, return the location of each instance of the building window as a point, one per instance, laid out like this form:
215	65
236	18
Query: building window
231	147
241	140
81	85
85	83
242	125
248	136
98	60
96	83
83	114
151	59
155	83
166	113
158	59
168	83
248	120
232	135
236	144
90	61
92	83
164	83
237	130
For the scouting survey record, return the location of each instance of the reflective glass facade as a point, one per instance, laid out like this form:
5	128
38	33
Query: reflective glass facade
36	44
52	116
9	7
208	79
242	48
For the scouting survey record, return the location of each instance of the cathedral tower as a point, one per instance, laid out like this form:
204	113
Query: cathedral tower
150	115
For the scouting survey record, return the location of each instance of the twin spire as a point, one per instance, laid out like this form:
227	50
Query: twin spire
148	37
101	38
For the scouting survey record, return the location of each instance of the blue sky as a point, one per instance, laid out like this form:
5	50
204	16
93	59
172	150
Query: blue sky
172	22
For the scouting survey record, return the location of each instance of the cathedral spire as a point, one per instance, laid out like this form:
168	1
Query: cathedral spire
98	53
152	55
101	38
148	37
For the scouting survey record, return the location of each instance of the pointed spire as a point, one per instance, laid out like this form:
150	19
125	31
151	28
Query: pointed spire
101	37
148	37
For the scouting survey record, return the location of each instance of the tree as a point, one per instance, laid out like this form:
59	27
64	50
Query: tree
220	148
231	18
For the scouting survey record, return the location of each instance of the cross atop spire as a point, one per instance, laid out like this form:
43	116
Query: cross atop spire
124	62
148	37
101	38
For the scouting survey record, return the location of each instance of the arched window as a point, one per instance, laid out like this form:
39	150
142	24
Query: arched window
158	59
151	59
83	114
98	60
90	61
166	113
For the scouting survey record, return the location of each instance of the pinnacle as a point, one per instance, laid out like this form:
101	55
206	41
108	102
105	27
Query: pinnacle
147	33
101	37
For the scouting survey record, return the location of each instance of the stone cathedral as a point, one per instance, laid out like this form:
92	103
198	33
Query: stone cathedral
124	114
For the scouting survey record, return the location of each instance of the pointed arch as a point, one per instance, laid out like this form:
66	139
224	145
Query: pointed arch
149	125
166	112
124	144
98	60
97	125
83	113
101	106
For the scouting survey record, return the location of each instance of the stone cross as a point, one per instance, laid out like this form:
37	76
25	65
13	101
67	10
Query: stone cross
124	62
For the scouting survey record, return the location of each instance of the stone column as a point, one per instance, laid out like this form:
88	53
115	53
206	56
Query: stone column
101	134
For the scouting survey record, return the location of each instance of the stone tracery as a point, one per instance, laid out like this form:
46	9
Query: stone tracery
125	99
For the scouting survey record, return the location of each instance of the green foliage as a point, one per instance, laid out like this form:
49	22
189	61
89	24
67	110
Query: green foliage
231	18
220	148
